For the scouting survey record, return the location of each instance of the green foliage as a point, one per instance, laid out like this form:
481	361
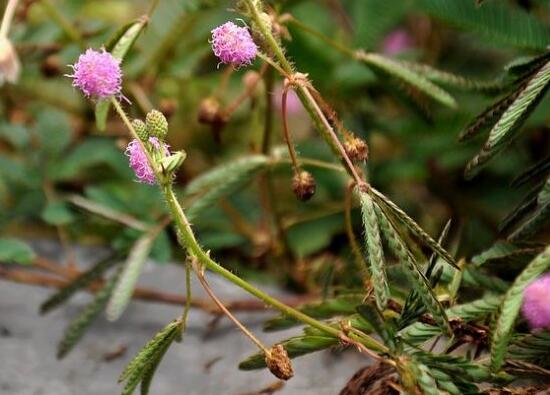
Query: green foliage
510	307
143	365
374	248
124	288
505	129
77	328
82	281
499	22
15	251
532	347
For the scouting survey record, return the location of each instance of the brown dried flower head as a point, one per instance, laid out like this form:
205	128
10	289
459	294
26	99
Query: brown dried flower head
209	111
279	363
356	149
303	185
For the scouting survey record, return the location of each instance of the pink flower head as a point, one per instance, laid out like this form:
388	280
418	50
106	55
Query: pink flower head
233	44
97	74
396	42
138	159
536	302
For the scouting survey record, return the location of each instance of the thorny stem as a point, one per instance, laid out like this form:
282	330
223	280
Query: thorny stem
8	17
187	240
304	95
221	306
187	306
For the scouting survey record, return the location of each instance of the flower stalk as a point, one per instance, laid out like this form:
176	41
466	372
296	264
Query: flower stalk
187	240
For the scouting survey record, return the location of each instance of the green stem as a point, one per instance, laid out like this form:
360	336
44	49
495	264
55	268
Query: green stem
187	239
303	94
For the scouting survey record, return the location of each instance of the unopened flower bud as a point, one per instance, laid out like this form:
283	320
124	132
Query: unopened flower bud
157	125
356	149
9	63
209	111
279	363
303	185
140	129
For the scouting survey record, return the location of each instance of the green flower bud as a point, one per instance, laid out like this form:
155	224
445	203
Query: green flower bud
157	125
141	129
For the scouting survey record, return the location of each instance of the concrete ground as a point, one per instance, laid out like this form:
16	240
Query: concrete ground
205	363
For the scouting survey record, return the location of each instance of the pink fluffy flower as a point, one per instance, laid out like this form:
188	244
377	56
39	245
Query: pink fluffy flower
233	44
536	302
396	42
97	74
138	159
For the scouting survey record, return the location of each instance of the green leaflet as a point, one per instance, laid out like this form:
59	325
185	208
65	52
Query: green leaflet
499	22
425	380
76	329
295	346
454	80
222	181
418	333
489	116
118	45
532	347
393	209
506	128
132	269
150	369
143	365
510	307
15	251
402	72
420	283
536	171
374	248
82	281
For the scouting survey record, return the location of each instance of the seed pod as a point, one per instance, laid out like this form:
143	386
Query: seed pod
279	363
356	149
209	111
303	185
157	125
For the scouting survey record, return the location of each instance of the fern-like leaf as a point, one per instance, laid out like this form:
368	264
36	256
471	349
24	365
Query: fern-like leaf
143	365
375	252
393	209
76	329
506	129
420	283
82	281
132	269
510	307
401	71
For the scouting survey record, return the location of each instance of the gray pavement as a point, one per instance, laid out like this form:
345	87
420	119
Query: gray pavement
205	363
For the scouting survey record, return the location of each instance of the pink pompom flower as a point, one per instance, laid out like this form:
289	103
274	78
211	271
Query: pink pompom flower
396	42
536	303
233	44
97	74
138	158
